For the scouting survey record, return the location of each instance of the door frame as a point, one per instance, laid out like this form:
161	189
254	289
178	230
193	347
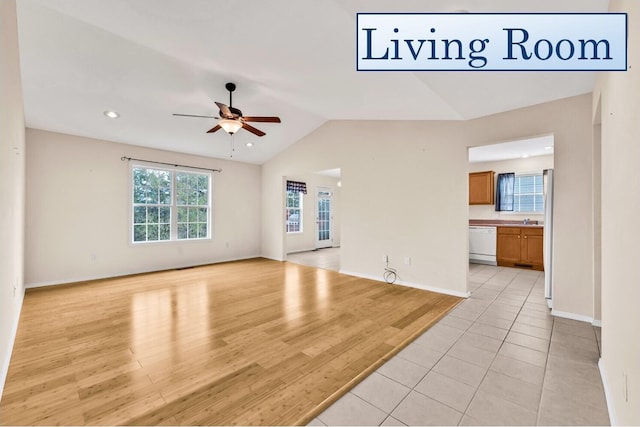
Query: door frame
319	244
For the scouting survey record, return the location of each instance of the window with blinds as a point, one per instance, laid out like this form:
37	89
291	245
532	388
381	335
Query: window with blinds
528	194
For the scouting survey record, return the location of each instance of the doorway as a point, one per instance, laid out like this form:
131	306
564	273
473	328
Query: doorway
529	161
324	218
318	213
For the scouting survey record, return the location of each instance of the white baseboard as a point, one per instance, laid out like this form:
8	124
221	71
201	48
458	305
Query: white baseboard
74	280
572	316
12	340
410	284
297	251
100	277
607	393
361	275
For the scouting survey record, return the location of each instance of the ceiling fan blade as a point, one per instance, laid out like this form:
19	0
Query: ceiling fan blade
262	119
214	129
224	109
194	115
253	130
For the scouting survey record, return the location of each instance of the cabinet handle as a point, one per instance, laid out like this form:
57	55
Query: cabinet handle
525	237
518	237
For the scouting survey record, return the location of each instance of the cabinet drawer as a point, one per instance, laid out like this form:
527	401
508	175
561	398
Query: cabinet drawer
532	231
509	230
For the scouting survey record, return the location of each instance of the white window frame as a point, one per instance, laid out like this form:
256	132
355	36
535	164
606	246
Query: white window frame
516	200
173	205
300	208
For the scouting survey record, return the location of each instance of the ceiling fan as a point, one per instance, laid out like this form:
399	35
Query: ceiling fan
231	118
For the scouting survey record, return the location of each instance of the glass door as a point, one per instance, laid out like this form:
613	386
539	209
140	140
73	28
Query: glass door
323	218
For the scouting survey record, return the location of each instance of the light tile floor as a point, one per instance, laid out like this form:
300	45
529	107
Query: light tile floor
499	358
327	258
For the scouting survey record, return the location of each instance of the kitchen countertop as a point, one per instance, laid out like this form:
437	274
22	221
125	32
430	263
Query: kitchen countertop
504	223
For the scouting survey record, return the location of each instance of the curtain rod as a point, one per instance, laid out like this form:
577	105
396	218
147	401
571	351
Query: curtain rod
123	158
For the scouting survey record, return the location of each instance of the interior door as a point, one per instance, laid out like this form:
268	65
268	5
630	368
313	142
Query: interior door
323	218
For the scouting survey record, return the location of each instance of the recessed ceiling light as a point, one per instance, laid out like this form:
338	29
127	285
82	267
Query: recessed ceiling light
548	147
525	155
111	114
249	144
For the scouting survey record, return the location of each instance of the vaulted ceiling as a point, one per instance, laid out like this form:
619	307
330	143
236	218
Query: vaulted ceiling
147	59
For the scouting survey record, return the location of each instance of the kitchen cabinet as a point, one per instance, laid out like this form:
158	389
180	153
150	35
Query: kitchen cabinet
520	247
481	188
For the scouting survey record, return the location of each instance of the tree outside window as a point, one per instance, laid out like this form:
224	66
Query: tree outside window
170	205
294	212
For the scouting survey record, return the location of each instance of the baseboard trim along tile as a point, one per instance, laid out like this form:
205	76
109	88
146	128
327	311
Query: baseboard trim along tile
607	393
572	316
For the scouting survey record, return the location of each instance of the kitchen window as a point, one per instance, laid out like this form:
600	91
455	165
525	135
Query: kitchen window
528	194
170	205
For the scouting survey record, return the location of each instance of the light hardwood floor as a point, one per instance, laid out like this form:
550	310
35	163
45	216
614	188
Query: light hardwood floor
248	342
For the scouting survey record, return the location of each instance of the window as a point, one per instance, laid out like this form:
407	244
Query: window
294	212
528	193
192	191
170	205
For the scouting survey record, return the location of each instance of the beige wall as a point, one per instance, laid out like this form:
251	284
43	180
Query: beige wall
530	164
569	120
405	194
12	175
306	240
390	203
78	211
597	223
619	97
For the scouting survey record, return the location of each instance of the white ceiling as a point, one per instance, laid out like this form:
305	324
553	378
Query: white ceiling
523	148
333	173
147	59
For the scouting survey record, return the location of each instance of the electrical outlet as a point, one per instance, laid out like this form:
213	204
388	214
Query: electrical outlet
407	260
385	258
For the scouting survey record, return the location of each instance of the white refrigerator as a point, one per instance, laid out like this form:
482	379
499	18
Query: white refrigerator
548	235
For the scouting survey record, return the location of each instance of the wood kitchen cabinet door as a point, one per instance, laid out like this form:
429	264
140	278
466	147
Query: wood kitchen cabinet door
520	247
532	246
481	188
508	245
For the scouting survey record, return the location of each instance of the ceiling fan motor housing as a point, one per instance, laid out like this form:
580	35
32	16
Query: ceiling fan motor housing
235	111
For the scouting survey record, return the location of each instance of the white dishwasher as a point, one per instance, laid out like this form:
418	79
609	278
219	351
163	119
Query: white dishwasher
482	244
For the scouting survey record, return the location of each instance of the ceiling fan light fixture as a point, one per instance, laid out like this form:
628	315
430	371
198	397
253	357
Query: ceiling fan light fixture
230	126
